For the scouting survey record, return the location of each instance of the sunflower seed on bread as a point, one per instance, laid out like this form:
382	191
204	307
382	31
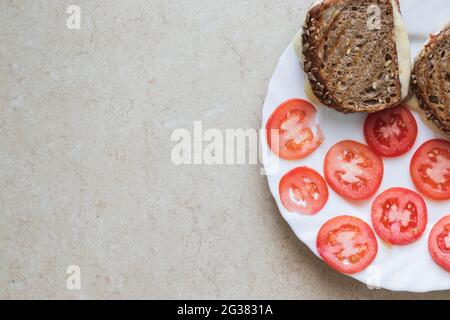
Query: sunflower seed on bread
431	80
352	67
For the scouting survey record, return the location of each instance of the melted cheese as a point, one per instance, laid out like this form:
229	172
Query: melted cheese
298	44
403	51
310	94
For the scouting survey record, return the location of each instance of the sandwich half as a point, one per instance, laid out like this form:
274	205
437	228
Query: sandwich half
431	80
356	54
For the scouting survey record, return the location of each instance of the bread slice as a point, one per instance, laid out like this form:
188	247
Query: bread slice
431	80
353	66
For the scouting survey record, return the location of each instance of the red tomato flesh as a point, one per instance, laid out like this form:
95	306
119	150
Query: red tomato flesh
292	132
304	191
439	243
347	244
391	132
353	170
399	216
430	169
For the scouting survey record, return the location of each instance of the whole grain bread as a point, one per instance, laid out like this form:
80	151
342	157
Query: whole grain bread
431	80
351	67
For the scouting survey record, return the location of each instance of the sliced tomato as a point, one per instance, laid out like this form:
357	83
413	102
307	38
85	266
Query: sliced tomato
347	244
391	132
304	191
430	169
399	216
439	243
353	170
292	132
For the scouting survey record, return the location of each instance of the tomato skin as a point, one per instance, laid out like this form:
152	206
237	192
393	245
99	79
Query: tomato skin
340	257
391	132
432	157
367	168
309	186
292	133
400	201
439	243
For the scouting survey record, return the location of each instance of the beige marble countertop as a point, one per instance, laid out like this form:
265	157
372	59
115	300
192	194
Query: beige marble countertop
86	177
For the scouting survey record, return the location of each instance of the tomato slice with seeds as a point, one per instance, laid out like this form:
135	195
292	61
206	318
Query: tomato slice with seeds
391	132
292	132
430	169
439	243
353	170
304	191
347	244
399	216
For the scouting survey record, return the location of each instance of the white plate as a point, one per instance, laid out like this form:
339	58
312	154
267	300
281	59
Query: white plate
405	268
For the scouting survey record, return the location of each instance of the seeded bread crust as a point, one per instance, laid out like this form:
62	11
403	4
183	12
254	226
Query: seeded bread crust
430	80
381	92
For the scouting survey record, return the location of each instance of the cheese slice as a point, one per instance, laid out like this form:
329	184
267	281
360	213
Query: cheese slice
403	51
